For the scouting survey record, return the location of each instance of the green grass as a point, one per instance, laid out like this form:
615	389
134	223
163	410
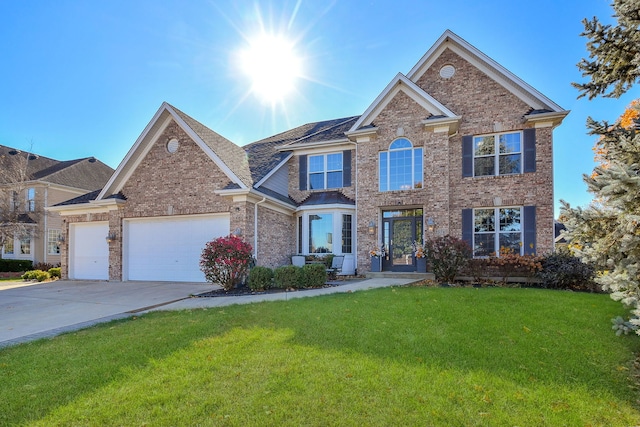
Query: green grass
387	357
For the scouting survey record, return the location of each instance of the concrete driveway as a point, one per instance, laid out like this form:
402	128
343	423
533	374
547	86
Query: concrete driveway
28	312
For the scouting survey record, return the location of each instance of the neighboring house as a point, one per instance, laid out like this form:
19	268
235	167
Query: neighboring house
457	146
31	183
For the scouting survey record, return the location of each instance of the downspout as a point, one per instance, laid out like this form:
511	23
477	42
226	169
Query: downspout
45	233
255	229
355	255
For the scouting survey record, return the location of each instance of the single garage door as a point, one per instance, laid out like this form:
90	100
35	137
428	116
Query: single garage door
89	251
169	248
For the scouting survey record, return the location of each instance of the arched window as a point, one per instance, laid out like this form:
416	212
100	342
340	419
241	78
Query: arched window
400	167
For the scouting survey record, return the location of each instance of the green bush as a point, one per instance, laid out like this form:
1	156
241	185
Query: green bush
15	265
288	276
561	270
260	278
37	275
55	272
314	275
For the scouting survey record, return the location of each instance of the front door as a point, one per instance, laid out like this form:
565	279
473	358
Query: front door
400	228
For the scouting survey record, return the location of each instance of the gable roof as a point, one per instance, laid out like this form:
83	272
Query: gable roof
504	77
85	174
229	157
401	83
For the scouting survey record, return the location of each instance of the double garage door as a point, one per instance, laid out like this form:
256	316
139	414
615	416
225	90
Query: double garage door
158	249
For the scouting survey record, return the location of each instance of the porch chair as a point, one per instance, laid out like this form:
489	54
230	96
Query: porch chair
336	266
298	260
348	266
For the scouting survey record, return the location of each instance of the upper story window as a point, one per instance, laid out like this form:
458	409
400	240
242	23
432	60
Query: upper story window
31	199
498	154
325	171
401	166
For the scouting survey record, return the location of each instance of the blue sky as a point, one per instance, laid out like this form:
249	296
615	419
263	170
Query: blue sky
84	78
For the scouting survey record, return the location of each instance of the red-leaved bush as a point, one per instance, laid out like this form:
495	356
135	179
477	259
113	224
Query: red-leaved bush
226	261
447	255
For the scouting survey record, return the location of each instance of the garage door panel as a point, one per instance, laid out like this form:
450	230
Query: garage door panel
89	254
168	249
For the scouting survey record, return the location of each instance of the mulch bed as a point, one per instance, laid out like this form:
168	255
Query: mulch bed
246	291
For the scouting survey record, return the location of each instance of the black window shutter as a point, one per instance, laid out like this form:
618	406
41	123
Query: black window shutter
529	143
529	217
467	156
467	226
303	172
346	168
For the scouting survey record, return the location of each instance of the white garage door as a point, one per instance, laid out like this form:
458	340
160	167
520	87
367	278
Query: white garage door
89	251
168	249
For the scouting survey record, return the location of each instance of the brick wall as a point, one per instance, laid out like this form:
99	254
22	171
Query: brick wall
485	107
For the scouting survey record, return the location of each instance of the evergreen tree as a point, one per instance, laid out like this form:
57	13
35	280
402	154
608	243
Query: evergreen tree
607	233
614	52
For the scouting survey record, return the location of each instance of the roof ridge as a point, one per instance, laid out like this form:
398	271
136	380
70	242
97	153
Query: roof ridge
344	120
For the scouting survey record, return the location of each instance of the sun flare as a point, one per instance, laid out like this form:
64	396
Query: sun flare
273	67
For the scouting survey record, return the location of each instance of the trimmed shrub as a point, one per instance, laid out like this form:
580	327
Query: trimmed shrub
15	265
55	272
37	275
288	276
226	261
314	275
561	270
447	255
260	278
44	266
508	264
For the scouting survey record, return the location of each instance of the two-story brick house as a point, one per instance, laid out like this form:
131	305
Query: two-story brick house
28	184
458	146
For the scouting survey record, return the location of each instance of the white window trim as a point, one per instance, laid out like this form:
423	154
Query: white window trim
497	232
57	233
413	150
325	172
31	202
17	249
496	153
337	230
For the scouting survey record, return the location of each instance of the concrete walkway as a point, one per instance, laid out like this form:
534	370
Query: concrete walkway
45	310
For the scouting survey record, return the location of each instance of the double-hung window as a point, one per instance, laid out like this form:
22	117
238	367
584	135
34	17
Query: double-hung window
325	171
496	229
498	154
401	167
53	248
31	199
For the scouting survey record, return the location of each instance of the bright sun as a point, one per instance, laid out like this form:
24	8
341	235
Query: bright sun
272	65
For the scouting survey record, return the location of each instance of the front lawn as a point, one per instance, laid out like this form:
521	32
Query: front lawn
393	356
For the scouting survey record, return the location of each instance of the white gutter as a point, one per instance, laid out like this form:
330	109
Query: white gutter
255	228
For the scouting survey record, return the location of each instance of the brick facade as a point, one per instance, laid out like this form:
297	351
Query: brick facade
190	182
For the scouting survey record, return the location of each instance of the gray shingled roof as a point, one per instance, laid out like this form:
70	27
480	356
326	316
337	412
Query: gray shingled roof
87	174
264	155
327	198
231	154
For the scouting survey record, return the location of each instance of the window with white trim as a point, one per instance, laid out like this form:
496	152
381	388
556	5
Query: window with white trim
25	246
8	247
31	199
53	248
400	168
497	154
325	231
325	171
495	229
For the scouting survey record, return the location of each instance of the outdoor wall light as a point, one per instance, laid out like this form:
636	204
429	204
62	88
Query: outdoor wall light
60	239
111	237
431	224
372	227
237	232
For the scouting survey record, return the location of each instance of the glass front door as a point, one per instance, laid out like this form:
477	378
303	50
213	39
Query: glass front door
400	229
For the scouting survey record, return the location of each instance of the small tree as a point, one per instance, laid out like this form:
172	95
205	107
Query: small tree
16	217
226	261
447	255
